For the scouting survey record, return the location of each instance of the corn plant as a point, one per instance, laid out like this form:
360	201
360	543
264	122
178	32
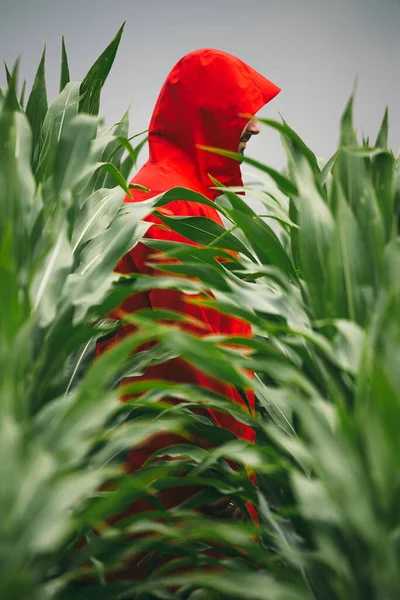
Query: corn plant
63	228
322	297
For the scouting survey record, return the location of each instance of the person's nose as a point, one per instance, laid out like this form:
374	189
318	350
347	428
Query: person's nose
253	127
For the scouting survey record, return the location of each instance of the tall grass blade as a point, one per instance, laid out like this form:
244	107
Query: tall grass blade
36	109
382	139
22	96
93	82
11	93
64	77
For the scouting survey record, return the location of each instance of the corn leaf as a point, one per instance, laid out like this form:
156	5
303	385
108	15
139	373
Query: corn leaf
94	80
36	108
64	77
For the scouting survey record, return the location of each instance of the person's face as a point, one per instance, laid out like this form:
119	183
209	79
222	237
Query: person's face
252	128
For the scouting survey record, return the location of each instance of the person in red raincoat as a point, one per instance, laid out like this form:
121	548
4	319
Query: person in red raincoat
202	102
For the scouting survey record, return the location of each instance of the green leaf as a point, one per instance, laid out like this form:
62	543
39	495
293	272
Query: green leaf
207	274
347	134
339	465
8	74
240	451
382	139
383	178
113	152
130	160
362	151
281	181
11	314
205	355
348	342
16	185
352	170
126	167
72	152
174	194
97	213
314	501
234	585
133	152
36	108
274	401
22	96
62	110
354	174
137	186
348	268
89	286
64	76
11	101
396	185
294	235
204	231
275	209
263	240
206	254
116	175
284	129
58	117
316	228
328	168
93	82
193	395
50	278
236	202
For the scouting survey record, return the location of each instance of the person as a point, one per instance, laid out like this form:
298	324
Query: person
203	102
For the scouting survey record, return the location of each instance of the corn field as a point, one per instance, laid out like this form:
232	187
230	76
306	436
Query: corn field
318	278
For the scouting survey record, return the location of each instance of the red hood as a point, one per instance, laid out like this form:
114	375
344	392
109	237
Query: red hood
199	104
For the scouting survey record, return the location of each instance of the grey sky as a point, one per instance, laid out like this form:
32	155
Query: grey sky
312	49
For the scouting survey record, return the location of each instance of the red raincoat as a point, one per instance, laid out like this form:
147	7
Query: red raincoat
200	103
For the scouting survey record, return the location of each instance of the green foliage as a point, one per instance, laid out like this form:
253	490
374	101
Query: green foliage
320	288
64	76
36	109
326	386
93	82
55	212
326	379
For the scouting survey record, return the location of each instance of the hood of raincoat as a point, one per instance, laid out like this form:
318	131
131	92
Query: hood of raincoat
202	102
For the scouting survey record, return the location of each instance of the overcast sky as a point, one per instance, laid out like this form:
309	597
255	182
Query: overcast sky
312	49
